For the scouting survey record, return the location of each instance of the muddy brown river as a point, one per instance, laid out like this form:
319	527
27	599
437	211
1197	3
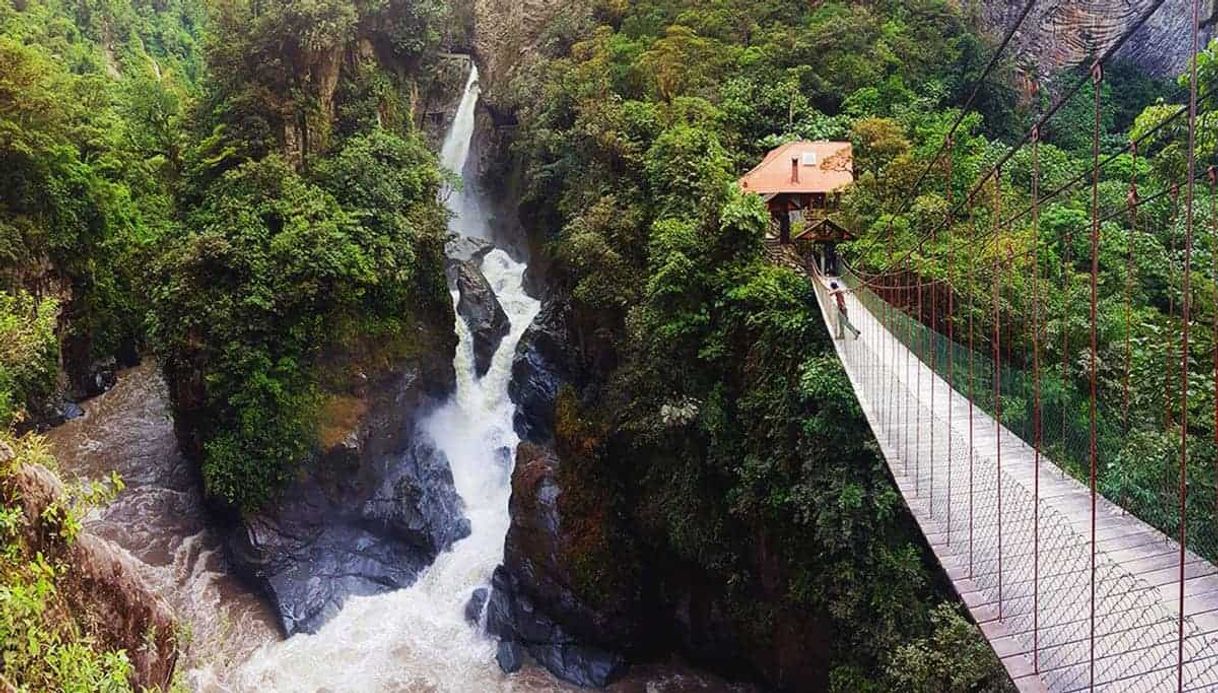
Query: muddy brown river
160	521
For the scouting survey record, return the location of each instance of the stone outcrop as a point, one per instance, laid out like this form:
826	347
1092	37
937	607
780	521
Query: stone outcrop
480	308
367	516
533	604
543	363
506	35
101	585
460	250
1062	33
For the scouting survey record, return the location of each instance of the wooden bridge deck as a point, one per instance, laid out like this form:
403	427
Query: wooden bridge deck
1137	587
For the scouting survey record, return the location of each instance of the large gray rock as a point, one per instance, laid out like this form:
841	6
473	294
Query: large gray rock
478	305
1063	33
542	364
465	249
532	603
519	622
364	517
354	529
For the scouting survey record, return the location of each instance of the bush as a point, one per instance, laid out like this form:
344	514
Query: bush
29	355
43	647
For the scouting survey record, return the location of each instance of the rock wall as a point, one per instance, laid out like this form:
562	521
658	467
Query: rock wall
1062	33
373	509
507	33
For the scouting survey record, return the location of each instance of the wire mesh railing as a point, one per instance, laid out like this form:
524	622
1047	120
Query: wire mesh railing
1137	465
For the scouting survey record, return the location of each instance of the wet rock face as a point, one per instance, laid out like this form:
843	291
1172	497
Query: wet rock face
543	362
506	34
488	323
464	249
1062	33
532	604
351	529
364	517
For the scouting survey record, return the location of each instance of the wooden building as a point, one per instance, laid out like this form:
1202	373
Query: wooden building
802	183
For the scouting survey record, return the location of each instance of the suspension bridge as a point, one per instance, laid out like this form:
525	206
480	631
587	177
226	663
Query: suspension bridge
1016	535
1003	458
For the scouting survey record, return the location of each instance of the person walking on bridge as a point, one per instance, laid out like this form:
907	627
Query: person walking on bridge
843	318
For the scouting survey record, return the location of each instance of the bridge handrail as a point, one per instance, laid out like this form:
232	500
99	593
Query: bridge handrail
1065	431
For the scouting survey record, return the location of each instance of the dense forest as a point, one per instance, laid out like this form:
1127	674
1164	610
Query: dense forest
245	191
713	416
241	190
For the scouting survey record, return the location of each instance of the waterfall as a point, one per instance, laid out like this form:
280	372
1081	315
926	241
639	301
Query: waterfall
417	638
464	202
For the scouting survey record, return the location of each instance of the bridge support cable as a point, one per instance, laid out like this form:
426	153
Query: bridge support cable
1186	311
1132	204
1097	74
919	355
951	334
1036	432
997	374
1212	175
972	393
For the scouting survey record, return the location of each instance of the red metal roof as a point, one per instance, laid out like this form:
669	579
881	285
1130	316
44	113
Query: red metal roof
822	167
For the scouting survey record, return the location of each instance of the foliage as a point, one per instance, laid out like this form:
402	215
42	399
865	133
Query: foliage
29	355
252	296
951	660
727	436
245	189
88	157
43	647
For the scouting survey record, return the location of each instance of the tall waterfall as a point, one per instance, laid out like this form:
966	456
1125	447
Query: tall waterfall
454	155
417	639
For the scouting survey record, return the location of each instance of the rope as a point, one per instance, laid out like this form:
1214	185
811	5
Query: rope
1098	77
1186	309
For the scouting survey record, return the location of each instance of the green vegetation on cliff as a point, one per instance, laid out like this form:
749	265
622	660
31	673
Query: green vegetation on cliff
47	643
726	436
244	191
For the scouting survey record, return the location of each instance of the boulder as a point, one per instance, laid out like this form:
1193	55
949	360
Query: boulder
509	656
541	365
475	606
364	516
521	623
487	321
350	529
465	249
532	602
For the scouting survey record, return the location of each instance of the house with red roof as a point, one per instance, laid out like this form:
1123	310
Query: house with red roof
804	181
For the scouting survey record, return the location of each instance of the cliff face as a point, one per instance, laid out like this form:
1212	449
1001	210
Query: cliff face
507	33
1062	33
